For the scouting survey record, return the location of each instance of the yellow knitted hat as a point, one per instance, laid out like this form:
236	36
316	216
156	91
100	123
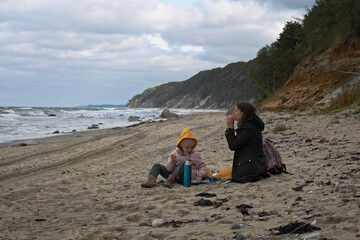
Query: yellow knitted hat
186	133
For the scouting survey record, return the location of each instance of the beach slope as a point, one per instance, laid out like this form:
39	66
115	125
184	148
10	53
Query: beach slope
82	185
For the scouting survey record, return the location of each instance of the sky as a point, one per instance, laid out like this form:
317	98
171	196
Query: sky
66	53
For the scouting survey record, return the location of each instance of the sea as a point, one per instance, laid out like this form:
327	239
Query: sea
18	123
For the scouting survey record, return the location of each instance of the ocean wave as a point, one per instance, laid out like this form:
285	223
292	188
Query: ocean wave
35	122
7	111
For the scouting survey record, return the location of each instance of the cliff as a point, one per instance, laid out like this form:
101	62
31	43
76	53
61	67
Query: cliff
316	79
217	88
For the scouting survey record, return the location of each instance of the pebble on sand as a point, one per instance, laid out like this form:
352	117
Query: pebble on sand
111	235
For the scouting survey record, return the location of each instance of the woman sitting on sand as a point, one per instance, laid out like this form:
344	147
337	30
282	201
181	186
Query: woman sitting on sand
174	169
249	163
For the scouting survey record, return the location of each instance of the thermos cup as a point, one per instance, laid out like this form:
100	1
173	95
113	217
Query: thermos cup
187	173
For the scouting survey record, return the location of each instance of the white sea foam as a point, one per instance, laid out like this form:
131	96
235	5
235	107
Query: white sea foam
34	122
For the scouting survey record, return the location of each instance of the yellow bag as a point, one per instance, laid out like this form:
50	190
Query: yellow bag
224	174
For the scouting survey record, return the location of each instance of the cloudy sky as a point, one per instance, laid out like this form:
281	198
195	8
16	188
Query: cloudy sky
70	53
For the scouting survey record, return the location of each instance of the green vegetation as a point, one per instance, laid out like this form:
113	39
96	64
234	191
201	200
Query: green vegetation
357	111
349	96
328	23
331	22
224	85
277	62
279	128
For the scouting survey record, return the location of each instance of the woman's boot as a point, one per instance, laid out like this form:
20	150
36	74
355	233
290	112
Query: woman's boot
169	181
151	182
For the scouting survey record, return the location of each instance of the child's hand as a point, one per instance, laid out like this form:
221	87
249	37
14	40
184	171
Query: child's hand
173	157
199	177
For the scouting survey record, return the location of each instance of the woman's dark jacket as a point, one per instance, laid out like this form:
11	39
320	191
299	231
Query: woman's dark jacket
249	159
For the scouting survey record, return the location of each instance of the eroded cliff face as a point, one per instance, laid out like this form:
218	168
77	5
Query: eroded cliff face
317	77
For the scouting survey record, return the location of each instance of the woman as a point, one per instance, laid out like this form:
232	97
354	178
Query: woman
249	164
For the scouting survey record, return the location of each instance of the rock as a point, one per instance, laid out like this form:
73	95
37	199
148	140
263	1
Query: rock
239	236
121	214
334	121
315	235
52	115
110	235
157	222
133	118
235	226
167	114
23	143
56	132
94	126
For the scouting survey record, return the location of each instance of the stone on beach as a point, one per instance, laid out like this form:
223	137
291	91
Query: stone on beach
94	126
134	118
167	114
111	235
157	222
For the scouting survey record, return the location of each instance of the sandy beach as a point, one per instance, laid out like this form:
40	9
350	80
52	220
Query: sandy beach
81	185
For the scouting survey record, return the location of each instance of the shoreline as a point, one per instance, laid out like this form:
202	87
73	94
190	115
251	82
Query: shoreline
56	136
64	137
69	136
81	188
76	135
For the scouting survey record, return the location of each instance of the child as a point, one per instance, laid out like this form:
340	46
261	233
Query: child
174	169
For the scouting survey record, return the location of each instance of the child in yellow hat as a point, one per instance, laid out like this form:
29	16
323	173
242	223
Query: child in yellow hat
174	169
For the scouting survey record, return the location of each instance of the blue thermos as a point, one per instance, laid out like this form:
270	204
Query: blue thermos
187	173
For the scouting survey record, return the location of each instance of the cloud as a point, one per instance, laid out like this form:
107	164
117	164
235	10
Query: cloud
157	41
119	48
189	48
286	4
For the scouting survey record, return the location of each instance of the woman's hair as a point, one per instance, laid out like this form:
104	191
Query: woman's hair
248	112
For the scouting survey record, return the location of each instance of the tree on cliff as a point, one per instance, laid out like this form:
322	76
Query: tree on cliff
327	23
276	62
331	22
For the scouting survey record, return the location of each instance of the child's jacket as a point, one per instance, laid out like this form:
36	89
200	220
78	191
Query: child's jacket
198	165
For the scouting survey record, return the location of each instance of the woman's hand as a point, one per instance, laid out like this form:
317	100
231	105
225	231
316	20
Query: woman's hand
230	121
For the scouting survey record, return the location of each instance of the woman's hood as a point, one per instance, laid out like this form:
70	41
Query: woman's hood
257	122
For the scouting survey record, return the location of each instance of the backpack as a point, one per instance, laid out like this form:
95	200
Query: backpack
273	158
